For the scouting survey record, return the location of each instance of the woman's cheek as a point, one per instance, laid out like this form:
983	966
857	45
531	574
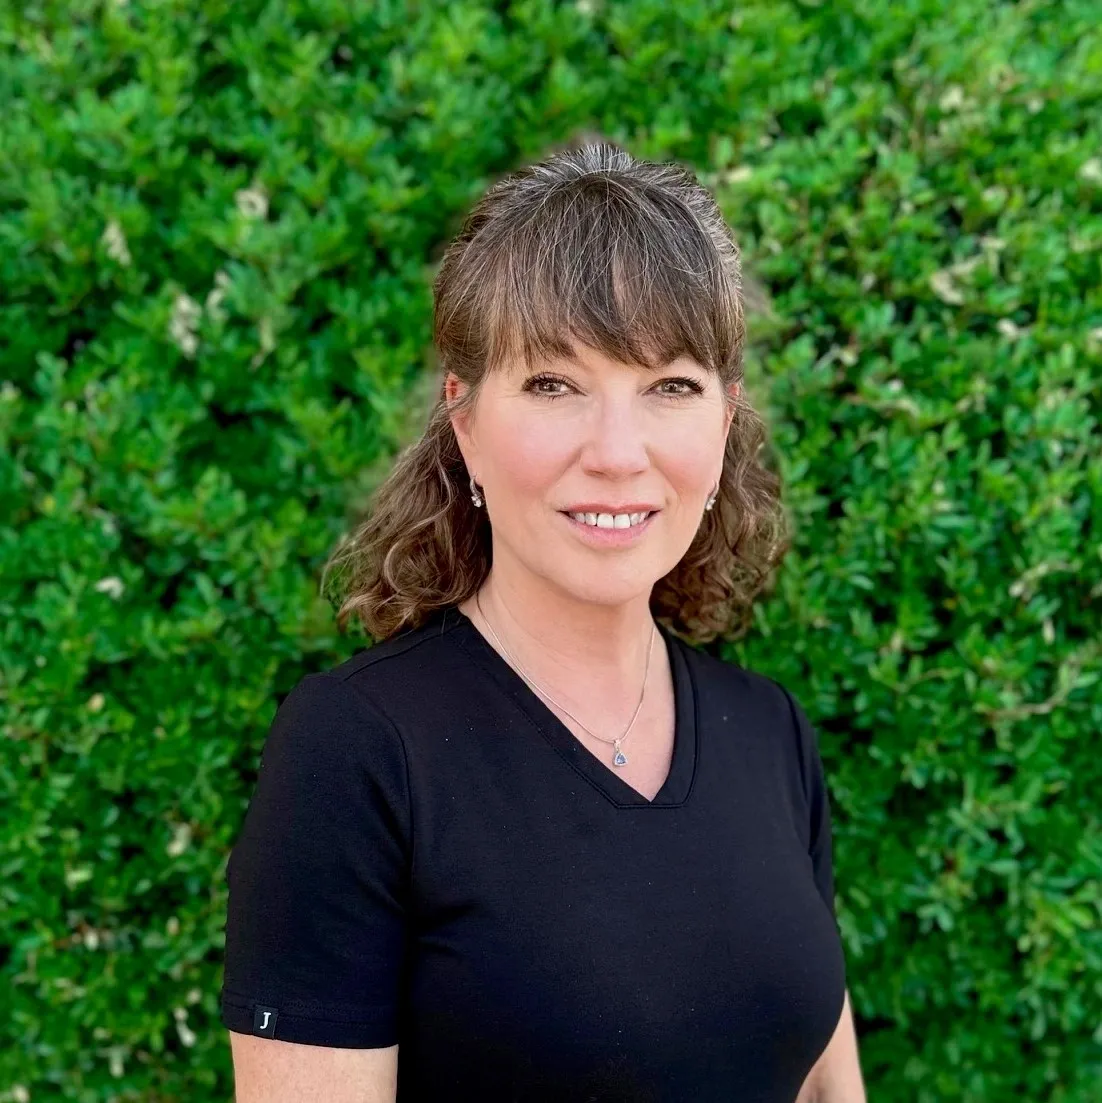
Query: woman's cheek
689	459
535	449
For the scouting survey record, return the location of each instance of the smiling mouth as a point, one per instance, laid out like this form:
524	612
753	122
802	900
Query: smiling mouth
609	520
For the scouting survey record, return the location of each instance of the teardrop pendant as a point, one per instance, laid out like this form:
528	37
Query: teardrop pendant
618	758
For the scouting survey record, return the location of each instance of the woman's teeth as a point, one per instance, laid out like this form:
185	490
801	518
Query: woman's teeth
610	520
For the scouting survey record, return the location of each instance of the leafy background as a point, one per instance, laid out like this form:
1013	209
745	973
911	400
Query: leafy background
218	226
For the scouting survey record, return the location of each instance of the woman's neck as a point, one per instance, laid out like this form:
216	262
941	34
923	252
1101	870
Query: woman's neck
563	642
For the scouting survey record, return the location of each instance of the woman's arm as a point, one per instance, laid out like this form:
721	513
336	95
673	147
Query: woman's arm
836	1076
267	1070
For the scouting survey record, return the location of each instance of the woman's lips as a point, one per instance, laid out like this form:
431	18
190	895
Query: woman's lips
610	538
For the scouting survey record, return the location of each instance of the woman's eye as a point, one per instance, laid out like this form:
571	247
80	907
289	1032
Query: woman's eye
542	387
535	385
691	387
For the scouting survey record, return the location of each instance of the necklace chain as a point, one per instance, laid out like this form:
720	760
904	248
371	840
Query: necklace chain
618	757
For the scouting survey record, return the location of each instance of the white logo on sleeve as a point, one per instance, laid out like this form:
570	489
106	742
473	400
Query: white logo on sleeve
264	1020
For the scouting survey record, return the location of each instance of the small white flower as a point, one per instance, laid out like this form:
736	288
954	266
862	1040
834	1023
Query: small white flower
183	323
1091	170
181	839
115	241
267	341
113	586
945	289
252	202
964	267
737	174
951	98
213	302
77	876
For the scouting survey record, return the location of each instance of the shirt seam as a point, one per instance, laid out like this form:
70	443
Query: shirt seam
684	649
375	708
799	741
295	1009
803	753
368	656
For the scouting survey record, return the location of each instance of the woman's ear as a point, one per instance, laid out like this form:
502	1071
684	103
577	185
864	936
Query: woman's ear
733	389
455	389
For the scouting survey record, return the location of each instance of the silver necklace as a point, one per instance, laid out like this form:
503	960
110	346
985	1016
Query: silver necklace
618	756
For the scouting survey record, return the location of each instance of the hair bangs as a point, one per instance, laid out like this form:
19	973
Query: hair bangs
636	281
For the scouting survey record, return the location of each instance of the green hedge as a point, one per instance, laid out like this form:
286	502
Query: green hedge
218	225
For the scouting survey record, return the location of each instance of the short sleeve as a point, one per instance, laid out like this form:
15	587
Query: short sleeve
319	876
820	845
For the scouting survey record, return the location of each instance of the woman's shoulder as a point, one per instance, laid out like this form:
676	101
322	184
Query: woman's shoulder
766	711
408	646
714	673
417	663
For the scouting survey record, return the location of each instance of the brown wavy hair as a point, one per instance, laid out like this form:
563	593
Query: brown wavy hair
632	258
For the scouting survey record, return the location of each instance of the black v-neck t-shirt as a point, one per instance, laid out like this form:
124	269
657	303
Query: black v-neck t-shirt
431	859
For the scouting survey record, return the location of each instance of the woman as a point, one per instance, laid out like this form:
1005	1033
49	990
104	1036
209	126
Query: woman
532	844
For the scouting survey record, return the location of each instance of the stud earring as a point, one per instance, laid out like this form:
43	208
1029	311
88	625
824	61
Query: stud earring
476	495
712	498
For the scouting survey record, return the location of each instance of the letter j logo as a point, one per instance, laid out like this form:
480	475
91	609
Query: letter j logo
264	1020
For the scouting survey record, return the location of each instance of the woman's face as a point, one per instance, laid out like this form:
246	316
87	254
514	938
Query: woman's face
589	434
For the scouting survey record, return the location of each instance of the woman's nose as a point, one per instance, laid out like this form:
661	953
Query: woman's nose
615	440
